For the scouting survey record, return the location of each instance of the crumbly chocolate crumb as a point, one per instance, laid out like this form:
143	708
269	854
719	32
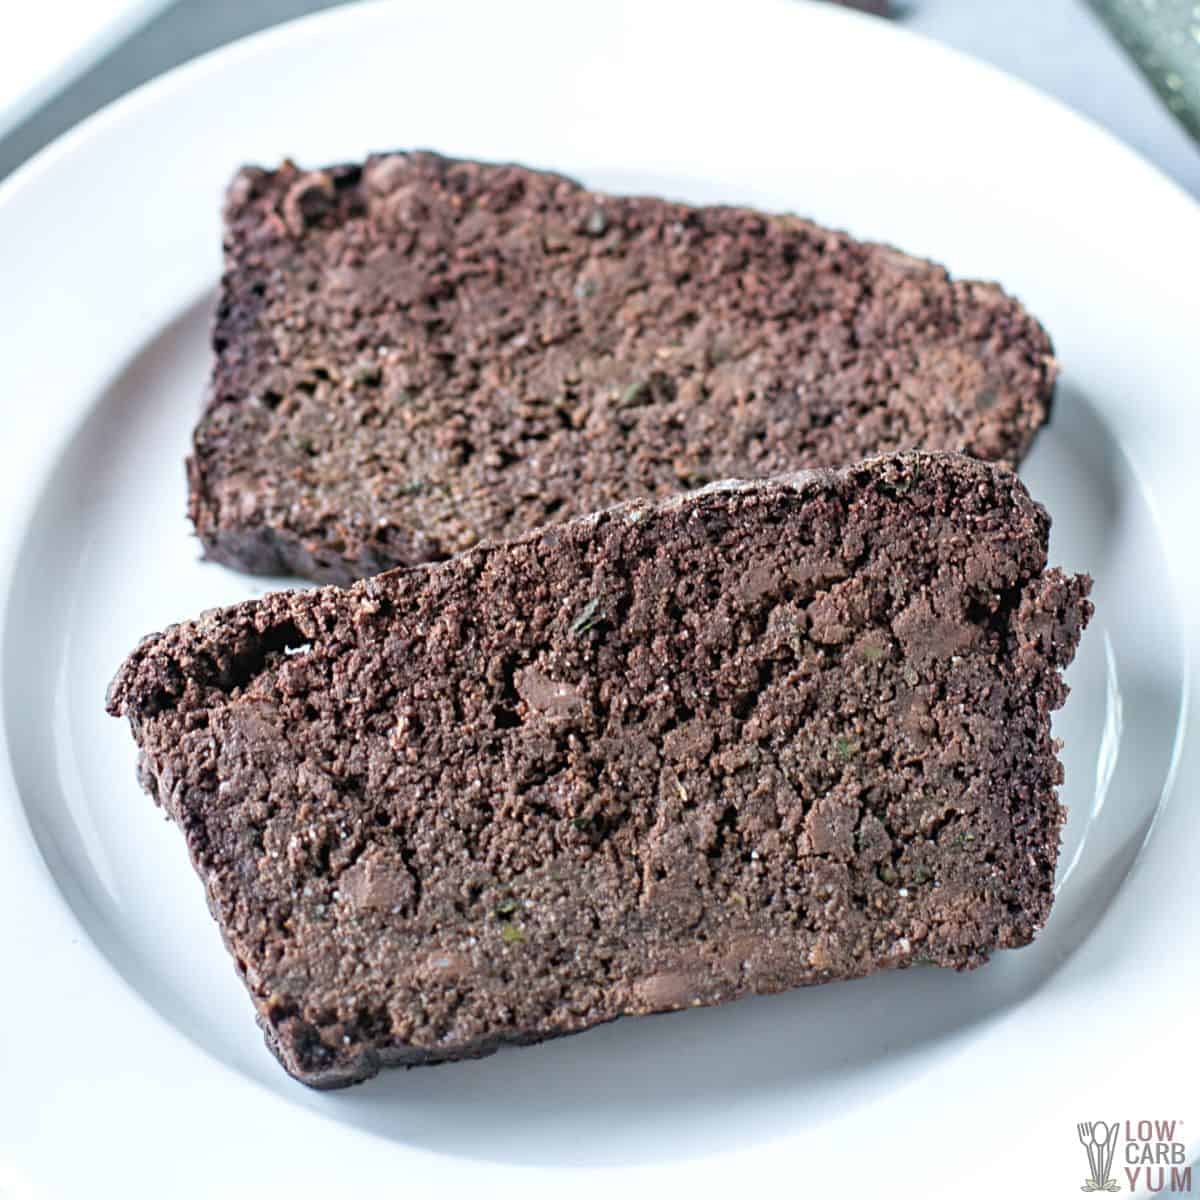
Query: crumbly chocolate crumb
423	353
809	739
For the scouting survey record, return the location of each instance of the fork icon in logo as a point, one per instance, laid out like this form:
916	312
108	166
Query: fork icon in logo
1100	1142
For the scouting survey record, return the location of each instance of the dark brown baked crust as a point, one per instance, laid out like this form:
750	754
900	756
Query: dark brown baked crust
763	735
426	353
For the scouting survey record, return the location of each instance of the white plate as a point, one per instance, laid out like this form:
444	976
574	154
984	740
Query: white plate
124	1035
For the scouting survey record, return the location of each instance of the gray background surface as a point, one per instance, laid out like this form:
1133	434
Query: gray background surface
1058	45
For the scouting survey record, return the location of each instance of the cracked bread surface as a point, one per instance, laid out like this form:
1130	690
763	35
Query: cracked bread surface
763	735
420	353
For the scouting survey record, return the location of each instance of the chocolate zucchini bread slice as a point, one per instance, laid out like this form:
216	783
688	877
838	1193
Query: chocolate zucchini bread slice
421	353
762	735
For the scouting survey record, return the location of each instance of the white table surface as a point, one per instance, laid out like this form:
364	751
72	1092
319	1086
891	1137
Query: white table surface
47	44
1058	45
